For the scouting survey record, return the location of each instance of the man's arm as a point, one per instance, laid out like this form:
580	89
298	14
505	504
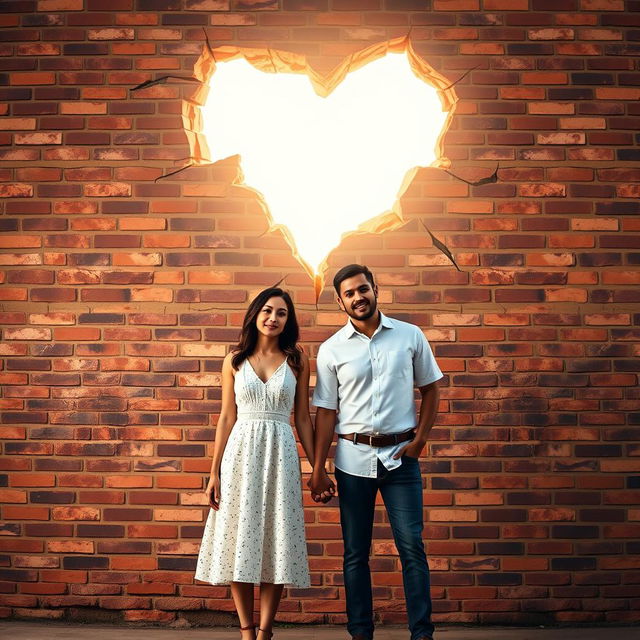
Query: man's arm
430	395
322	487
325	399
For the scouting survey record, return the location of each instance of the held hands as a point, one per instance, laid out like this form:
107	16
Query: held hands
213	492
321	486
412	449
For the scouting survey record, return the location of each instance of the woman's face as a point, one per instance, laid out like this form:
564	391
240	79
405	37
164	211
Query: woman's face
272	318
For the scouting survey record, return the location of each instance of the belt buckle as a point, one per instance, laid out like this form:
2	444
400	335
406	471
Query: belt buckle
354	438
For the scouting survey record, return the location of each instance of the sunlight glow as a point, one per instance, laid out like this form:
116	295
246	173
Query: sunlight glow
324	165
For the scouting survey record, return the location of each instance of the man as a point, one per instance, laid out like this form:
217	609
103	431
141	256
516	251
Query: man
365	392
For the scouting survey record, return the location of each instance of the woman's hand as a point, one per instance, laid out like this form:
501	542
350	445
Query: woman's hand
321	486
213	492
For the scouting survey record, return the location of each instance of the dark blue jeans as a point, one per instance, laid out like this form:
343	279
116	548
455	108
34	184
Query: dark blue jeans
401	491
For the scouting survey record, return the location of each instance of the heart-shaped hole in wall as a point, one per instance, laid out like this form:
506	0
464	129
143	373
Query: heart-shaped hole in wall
326	155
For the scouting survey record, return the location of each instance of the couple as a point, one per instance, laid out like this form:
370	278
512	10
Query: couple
366	373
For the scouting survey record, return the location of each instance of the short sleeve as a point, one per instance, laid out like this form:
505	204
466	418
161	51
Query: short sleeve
325	394
425	367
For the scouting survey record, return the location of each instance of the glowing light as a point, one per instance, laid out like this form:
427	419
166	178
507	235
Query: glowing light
324	166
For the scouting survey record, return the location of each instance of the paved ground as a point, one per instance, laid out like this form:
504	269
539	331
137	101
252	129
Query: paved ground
10	630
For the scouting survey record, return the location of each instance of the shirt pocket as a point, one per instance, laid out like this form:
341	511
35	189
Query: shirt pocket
399	364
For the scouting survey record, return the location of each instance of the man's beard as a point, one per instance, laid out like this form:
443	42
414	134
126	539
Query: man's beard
373	307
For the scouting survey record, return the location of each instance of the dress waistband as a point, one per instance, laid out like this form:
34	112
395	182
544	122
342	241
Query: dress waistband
264	415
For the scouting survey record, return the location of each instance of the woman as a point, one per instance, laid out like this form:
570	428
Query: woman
255	530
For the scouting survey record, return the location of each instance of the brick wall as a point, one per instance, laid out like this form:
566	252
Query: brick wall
120	296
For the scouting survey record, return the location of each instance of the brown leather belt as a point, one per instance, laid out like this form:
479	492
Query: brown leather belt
379	441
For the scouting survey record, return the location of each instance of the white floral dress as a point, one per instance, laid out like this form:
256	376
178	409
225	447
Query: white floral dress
257	535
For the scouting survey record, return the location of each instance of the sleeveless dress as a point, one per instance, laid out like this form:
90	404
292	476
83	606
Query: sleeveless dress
257	535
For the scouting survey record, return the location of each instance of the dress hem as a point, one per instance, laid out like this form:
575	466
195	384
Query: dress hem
297	585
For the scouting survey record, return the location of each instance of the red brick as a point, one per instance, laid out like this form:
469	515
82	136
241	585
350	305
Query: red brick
551	34
167	240
544	77
456	5
561	138
76	241
17	124
543	190
32	78
109	190
16	190
521	93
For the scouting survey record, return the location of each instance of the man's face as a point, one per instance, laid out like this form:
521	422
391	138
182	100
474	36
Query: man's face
358	298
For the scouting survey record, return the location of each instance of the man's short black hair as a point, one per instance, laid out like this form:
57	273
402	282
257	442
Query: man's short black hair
348	272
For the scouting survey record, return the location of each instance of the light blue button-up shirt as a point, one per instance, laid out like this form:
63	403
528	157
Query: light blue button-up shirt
370	383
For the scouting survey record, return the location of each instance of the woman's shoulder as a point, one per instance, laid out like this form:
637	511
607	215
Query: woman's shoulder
227	362
297	360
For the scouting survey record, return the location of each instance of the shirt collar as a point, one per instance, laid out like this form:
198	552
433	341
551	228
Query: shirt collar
349	330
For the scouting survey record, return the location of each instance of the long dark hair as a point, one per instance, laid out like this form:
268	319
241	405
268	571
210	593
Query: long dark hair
287	340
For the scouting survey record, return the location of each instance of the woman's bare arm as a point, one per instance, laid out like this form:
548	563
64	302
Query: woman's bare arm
302	417
227	419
